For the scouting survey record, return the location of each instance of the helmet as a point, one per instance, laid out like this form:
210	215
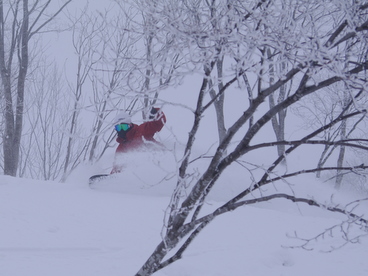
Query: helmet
122	118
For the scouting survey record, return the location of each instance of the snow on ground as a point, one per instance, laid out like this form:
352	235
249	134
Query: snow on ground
50	228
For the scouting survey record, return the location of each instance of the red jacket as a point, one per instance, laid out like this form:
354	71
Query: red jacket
138	136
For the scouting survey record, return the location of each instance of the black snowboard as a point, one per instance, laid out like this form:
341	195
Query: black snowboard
97	178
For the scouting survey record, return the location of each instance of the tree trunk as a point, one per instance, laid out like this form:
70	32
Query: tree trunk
19	31
13	120
153	261
340	159
219	102
278	121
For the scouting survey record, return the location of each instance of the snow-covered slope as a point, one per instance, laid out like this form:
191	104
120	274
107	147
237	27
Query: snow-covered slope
49	228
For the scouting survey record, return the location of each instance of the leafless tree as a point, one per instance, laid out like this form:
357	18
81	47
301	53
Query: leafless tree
43	143
311	51
86	43
156	60
108	79
20	21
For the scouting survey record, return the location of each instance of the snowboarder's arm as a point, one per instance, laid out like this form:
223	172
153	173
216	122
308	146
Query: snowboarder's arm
151	127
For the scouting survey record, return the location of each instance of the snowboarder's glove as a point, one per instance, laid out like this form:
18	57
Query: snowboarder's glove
153	113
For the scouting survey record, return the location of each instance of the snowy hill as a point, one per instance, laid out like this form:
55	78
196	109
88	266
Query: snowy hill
50	228
68	229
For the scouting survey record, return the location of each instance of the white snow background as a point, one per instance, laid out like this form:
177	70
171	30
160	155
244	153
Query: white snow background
50	228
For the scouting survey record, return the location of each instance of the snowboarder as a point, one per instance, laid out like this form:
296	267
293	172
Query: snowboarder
132	136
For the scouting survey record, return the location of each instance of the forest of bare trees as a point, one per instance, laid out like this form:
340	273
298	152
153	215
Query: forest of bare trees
300	65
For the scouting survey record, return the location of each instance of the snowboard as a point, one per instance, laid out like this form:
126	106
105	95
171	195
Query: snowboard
97	178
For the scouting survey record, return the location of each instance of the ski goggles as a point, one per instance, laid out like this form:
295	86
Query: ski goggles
121	127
